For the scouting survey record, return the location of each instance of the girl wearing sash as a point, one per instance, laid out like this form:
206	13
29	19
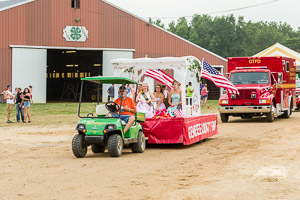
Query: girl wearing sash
174	98
145	101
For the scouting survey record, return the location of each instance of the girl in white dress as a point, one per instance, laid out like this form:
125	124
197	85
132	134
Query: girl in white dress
145	101
159	98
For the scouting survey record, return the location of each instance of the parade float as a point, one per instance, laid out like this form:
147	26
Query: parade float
191	126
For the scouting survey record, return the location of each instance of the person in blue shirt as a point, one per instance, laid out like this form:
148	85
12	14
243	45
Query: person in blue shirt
201	86
128	89
111	93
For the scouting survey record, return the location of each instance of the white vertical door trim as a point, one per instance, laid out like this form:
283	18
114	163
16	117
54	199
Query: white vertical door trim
29	68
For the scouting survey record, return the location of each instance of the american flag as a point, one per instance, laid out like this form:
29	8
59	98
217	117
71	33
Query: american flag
178	113
160	76
219	80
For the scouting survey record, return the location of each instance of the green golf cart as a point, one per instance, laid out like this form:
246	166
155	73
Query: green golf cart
99	131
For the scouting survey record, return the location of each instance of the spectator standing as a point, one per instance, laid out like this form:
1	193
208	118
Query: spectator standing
26	101
8	96
204	94
128	88
111	93
201	86
15	93
18	105
30	91
186	86
190	91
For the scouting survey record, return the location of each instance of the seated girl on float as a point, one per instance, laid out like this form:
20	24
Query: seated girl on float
174	98
145	101
158	94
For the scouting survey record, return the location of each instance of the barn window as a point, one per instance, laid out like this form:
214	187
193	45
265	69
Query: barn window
75	3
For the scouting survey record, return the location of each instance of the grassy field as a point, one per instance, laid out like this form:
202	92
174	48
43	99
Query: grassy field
55	114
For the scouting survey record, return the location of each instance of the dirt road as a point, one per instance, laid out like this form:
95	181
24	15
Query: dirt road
248	159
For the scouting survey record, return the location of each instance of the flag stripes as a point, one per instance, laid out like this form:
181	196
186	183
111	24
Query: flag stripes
178	113
160	76
218	79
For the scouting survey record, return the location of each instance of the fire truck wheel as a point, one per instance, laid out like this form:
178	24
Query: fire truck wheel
224	117
270	116
286	114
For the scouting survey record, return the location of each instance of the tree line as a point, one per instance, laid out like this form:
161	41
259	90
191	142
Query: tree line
230	37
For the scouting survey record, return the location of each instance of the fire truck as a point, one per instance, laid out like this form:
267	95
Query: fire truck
298	94
266	87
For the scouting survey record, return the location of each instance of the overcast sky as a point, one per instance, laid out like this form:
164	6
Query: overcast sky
266	10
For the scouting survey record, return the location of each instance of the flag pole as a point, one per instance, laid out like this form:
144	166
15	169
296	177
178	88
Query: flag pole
200	85
201	68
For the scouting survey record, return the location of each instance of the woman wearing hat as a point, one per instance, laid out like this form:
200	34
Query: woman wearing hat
204	94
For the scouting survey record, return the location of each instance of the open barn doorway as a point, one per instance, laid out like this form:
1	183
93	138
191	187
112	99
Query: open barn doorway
64	70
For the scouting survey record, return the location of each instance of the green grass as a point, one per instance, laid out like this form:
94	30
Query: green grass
50	113
55	114
211	107
60	108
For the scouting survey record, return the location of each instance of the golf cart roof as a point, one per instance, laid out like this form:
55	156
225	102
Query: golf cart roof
109	80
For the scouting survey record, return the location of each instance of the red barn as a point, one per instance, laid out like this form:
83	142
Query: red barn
51	44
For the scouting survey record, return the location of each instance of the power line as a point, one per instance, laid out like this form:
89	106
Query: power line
218	12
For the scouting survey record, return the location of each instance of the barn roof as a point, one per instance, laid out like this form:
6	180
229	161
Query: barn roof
7	4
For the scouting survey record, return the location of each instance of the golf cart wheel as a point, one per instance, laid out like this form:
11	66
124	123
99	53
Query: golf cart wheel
115	145
79	147
224	117
140	146
98	148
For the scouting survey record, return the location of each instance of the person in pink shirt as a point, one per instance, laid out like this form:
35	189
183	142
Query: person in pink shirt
204	94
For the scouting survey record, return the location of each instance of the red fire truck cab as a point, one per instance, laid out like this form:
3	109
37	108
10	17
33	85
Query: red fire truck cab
298	94
266	86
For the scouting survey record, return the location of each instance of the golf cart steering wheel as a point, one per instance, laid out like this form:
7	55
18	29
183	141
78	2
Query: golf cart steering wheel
90	114
112	106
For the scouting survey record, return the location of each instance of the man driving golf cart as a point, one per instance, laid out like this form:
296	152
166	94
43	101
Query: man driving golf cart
127	109
101	129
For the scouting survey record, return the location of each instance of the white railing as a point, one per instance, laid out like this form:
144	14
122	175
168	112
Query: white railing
188	106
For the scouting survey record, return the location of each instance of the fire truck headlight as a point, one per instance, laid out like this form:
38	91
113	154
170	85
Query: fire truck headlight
253	96
233	96
223	101
264	101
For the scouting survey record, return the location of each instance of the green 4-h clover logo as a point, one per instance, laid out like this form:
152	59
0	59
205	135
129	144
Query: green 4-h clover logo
75	33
